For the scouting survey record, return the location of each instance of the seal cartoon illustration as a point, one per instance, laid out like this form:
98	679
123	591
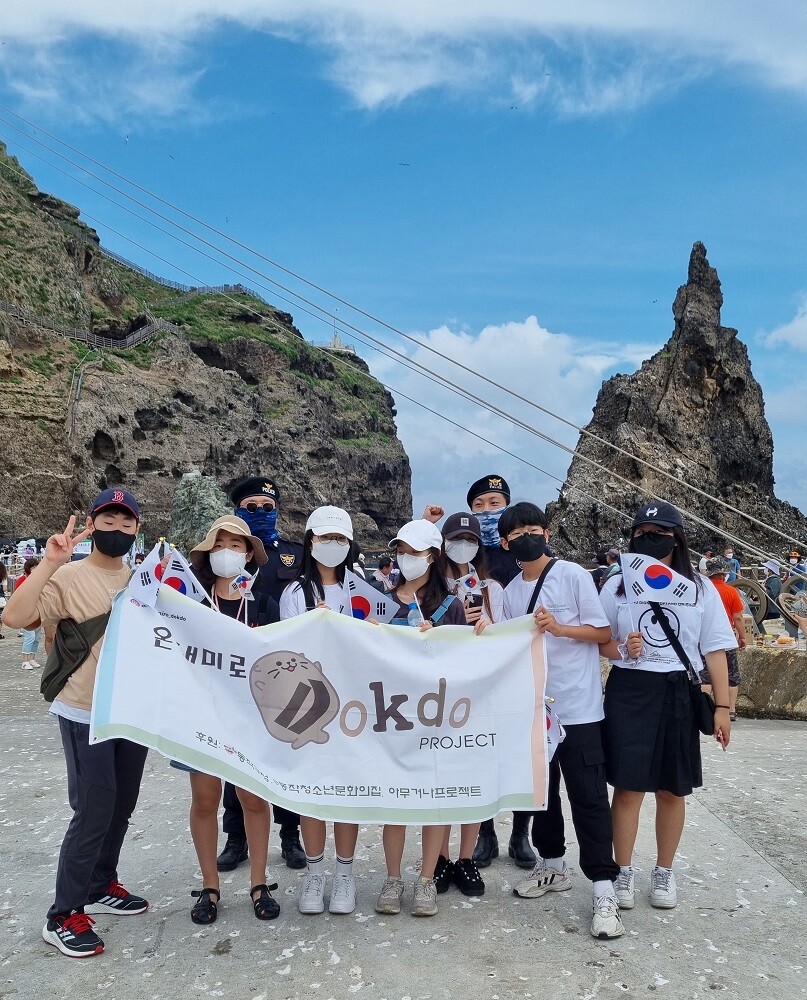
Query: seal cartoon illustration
296	700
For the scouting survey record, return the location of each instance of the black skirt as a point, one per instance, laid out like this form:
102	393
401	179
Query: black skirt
651	741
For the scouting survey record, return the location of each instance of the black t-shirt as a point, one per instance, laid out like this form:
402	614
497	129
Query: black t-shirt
262	610
284	560
502	565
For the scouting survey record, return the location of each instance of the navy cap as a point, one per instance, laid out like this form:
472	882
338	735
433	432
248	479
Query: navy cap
116	497
255	486
658	512
488	484
462	524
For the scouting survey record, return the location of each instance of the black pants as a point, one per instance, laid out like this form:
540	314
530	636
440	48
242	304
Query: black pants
103	783
581	760
233	822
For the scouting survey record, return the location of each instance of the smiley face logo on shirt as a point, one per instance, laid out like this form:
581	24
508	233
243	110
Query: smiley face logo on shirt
651	630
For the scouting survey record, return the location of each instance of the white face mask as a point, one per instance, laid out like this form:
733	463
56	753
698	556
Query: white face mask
461	551
413	567
330	554
227	563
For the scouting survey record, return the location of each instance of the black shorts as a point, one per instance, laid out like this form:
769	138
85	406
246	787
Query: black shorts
650	738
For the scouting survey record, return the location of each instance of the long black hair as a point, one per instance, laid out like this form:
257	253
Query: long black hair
308	577
681	558
435	590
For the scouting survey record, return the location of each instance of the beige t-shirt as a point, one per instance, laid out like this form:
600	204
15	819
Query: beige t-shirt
80	591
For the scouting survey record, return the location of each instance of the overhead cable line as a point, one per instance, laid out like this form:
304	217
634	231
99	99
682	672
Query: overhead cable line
383	348
299	277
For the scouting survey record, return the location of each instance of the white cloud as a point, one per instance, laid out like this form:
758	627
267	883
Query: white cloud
793	333
557	371
579	56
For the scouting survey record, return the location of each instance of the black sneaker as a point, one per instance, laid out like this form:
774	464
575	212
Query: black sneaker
467	878
116	899
443	874
73	935
235	851
291	850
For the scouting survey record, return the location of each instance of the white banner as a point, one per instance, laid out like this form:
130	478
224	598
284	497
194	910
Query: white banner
330	716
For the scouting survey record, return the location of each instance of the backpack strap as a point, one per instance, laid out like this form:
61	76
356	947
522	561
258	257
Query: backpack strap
438	614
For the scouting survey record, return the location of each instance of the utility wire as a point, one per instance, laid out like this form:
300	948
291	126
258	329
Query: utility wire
327	317
297	276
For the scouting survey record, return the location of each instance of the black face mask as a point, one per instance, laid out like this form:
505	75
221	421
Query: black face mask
528	548
112	543
656	546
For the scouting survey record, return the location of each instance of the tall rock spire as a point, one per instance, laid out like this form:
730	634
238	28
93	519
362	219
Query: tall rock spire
694	413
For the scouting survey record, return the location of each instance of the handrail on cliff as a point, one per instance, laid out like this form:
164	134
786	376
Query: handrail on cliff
87	336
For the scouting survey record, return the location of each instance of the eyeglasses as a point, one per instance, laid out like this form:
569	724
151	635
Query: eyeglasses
252	507
333	539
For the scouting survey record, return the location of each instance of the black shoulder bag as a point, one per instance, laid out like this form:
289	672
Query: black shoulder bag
71	646
703	704
538	585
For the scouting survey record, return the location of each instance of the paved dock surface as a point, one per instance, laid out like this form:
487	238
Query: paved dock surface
739	929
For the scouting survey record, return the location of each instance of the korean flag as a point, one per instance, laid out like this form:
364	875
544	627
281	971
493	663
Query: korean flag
367	602
647	579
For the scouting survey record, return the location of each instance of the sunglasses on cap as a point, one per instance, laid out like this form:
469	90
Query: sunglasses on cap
252	507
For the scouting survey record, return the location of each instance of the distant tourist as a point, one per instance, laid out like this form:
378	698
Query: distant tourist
717	571
734	564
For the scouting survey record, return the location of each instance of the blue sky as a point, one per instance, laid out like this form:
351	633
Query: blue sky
520	189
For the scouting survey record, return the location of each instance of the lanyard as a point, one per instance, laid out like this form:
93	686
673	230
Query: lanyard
215	602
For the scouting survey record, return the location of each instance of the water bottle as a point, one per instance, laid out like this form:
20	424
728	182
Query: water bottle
415	616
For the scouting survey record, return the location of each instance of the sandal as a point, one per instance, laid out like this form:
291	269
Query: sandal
206	910
265	907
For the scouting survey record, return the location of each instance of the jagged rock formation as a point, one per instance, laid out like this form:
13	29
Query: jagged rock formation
198	502
693	411
234	390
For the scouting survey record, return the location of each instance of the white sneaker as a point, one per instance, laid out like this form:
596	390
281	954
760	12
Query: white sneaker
623	887
343	893
36	664
606	922
27	664
389	899
663	894
543	880
424	903
312	894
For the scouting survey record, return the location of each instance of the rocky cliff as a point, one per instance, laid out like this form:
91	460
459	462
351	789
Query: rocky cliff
693	411
231	389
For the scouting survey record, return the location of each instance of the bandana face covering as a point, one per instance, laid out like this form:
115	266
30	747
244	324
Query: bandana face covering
489	523
262	524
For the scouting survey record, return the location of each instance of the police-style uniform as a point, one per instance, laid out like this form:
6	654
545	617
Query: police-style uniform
502	565
283	561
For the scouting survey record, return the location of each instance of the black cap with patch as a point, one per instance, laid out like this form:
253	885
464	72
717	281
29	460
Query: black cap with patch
658	512
462	524
489	484
253	487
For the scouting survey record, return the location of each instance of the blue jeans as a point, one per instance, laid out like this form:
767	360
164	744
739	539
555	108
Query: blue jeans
30	640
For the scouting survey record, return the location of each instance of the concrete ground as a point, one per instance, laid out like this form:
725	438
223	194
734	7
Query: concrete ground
739	929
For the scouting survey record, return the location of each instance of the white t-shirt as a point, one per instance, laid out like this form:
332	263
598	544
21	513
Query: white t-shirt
495	594
573	668
702	628
292	600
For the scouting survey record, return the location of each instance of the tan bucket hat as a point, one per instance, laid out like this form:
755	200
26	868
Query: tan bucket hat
236	526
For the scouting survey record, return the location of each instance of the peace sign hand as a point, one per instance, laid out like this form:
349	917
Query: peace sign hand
59	548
